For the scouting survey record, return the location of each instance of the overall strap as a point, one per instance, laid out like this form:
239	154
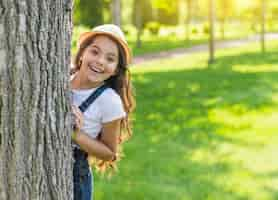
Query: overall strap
92	97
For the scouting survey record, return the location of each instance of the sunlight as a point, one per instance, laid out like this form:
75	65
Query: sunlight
258	68
244	4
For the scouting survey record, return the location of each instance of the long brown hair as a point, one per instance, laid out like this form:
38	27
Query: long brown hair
121	83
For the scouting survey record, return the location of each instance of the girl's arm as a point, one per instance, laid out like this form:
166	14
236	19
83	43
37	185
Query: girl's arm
109	134
93	146
105	147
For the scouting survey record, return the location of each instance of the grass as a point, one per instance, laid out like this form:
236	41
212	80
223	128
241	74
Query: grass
202	133
157	44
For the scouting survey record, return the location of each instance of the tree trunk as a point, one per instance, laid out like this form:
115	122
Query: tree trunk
211	29
188	18
223	22
35	151
116	12
263	13
139	25
138	38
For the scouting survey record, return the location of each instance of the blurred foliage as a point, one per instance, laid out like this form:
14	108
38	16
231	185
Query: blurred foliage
225	9
91	12
206	28
194	30
153	27
168	12
141	13
240	18
85	9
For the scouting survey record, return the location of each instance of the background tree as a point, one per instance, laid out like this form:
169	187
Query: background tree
116	12
185	5
142	13
188	17
263	16
167	11
35	149
126	12
211	30
225	9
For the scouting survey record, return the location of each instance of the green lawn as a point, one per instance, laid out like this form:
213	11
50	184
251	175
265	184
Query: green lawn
202	133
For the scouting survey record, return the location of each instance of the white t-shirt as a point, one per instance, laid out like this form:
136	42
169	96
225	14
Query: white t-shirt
107	107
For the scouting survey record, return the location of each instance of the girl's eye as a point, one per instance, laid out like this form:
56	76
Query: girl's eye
94	51
110	59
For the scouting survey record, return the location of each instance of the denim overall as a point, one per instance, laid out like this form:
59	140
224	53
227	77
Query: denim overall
82	178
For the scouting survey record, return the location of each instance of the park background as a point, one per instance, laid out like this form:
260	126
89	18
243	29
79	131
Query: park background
205	127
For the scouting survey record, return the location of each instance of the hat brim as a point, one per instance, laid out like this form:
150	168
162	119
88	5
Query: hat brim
87	35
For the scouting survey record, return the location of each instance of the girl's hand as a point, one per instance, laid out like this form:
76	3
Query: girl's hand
77	118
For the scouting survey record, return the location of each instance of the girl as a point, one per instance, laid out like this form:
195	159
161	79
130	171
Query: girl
102	59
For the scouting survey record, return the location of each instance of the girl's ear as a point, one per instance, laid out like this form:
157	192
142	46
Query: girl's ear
80	61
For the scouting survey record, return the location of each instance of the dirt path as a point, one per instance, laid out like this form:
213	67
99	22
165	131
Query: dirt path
200	48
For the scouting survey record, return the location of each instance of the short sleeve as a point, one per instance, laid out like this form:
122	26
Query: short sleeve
112	107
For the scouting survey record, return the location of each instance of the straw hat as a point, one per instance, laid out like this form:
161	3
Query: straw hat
112	31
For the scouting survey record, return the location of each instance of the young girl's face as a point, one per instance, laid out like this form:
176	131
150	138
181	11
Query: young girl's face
100	60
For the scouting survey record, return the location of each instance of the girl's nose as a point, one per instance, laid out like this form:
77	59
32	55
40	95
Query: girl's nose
101	60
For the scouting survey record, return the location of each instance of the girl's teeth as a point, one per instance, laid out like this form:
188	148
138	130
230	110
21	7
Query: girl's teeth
97	70
94	69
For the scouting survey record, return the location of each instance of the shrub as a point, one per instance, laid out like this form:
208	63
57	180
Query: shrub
194	30
206	28
153	27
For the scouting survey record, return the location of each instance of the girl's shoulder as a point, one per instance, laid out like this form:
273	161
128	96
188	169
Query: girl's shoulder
110	106
110	96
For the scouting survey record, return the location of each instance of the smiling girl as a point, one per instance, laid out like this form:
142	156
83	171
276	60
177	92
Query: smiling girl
102	59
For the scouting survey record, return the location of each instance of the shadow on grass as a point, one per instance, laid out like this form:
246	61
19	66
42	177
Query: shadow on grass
250	59
173	121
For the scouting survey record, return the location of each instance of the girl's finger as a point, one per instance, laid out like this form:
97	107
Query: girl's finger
79	116
77	111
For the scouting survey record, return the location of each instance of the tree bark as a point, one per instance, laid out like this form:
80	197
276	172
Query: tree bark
35	151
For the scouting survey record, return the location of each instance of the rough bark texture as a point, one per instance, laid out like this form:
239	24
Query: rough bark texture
35	153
